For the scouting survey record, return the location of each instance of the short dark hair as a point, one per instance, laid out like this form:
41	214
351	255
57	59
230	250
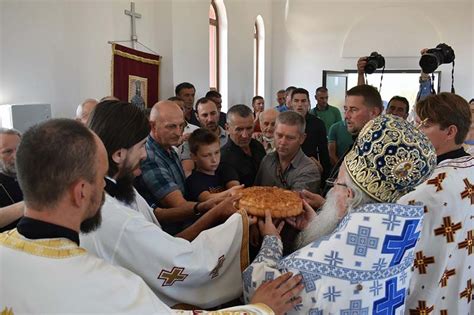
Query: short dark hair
321	89
401	99
241	110
292	118
184	85
300	91
447	109
201	137
289	89
212	93
255	98
370	94
119	125
280	91
472	100
51	156
175	99
202	100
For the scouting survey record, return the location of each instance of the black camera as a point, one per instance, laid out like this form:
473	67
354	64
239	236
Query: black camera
435	57
374	61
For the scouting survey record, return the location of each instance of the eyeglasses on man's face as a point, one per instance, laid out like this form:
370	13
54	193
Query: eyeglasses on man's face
331	182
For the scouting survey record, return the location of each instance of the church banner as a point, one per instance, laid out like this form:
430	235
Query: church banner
135	76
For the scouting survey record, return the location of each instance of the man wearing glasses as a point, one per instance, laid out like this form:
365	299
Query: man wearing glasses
443	280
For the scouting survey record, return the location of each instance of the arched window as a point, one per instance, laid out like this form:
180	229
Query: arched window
218	50
259	56
213	47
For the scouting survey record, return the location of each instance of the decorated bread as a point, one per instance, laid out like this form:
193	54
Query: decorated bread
281	202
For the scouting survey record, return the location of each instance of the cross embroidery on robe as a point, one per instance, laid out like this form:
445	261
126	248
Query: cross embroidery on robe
447	273
467	293
170	277
468	243
469	192
437	181
421	262
422	309
448	229
215	272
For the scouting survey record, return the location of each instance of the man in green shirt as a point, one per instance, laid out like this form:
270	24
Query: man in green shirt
327	113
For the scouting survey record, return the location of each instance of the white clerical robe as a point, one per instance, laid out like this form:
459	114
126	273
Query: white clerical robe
443	278
363	267
56	276
205	272
48	276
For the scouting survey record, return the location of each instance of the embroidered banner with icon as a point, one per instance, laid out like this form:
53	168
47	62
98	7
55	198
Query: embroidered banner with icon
135	76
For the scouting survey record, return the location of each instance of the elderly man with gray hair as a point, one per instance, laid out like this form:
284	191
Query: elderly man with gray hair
288	167
10	191
85	109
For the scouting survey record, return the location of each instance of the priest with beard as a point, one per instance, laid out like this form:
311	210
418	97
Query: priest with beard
363	265
201	266
44	269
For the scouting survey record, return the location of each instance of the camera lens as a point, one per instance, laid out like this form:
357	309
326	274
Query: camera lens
429	63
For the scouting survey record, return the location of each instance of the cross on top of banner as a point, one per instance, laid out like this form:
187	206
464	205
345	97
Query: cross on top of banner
133	15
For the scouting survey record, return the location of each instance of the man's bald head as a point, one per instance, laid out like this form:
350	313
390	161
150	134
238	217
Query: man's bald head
167	123
163	108
84	110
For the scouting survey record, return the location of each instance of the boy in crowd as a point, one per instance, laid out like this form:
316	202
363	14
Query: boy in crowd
208	179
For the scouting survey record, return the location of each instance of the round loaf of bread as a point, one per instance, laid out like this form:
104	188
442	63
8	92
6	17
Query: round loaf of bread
281	202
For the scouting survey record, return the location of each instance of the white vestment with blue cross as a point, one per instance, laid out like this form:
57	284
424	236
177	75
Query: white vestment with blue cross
363	267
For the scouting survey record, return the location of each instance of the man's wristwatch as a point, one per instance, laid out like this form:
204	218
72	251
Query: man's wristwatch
196	210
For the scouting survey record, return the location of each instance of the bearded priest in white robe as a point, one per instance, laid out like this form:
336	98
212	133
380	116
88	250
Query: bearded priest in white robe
203	271
364	265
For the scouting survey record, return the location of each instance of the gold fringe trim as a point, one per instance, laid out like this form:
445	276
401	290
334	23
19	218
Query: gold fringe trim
7	311
244	250
45	248
133	57
112	72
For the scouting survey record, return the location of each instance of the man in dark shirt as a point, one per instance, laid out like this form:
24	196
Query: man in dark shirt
316	142
242	153
216	97
10	191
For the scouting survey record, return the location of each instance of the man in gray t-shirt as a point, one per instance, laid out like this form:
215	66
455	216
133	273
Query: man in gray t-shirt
288	167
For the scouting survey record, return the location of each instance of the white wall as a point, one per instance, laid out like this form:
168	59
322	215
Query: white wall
191	52
324	35
57	52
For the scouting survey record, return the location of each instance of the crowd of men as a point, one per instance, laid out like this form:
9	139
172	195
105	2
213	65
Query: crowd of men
134	212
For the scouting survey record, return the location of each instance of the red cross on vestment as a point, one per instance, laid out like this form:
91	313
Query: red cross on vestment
445	277
422	309
170	277
468	243
421	262
215	272
467	293
437	181
469	192
448	229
